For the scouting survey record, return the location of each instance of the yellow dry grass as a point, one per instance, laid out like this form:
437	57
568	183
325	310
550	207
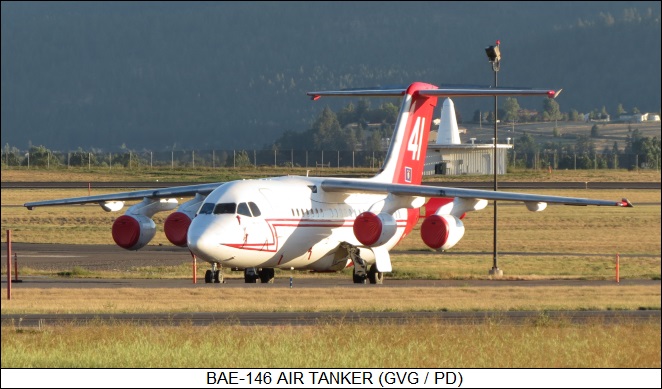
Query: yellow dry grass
218	299
541	343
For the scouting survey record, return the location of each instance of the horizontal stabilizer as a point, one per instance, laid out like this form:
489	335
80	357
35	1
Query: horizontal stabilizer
439	92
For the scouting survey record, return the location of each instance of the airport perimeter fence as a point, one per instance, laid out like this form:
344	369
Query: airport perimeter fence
186	159
212	159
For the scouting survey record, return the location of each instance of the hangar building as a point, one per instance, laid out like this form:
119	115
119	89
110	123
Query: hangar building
449	156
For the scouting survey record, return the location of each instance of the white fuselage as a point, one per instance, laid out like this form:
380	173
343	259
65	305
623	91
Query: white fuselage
292	223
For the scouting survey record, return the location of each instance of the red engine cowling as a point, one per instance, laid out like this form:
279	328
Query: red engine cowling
133	232
176	228
374	230
442	231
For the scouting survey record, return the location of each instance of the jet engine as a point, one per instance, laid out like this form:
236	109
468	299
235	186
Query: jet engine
177	223
442	231
374	230
133	232
134	229
176	227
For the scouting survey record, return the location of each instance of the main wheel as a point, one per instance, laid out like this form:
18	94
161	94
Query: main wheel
375	276
209	277
267	275
359	278
218	277
249	276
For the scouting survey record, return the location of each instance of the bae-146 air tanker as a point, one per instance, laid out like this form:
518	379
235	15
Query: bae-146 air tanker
316	223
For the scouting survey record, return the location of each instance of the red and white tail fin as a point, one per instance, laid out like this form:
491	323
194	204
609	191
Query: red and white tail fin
405	160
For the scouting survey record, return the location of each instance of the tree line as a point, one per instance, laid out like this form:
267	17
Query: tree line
638	152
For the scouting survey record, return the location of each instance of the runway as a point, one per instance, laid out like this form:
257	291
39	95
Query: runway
63	257
315	318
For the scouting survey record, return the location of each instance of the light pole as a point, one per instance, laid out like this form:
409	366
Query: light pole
494	56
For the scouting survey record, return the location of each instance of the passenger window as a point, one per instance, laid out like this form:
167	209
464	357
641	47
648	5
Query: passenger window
242	209
254	209
206	208
224	208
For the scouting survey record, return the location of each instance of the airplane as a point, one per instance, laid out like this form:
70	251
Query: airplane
321	224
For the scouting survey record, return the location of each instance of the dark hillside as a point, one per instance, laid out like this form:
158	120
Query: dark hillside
234	74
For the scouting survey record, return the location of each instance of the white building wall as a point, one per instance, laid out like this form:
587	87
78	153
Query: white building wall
465	160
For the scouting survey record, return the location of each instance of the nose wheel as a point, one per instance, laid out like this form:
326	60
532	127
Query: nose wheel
214	275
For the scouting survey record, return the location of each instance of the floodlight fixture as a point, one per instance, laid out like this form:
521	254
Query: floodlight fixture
494	55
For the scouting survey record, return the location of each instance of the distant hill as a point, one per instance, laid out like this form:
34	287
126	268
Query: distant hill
234	74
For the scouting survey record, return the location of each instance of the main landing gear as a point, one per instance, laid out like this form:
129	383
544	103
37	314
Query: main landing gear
374	276
361	273
265	275
214	275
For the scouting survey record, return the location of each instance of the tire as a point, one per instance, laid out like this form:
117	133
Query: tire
359	278
267	275
249	278
209	277
374	276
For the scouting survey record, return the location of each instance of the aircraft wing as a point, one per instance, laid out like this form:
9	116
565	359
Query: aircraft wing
175	191
358	186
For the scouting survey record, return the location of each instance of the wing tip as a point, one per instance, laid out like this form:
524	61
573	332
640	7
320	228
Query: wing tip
554	94
626	203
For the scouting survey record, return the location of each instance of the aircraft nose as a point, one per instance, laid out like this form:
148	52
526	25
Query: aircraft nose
209	237
201	239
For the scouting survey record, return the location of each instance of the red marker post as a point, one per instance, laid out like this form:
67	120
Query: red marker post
618	260
195	269
8	264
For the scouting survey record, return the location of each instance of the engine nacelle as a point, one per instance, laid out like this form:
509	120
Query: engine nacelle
177	223
442	231
176	228
374	230
133	232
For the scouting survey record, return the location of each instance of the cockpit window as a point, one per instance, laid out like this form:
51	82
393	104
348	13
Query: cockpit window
225	208
206	208
254	209
243	210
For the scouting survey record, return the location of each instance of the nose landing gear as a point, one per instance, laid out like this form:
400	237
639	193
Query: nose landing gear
214	275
